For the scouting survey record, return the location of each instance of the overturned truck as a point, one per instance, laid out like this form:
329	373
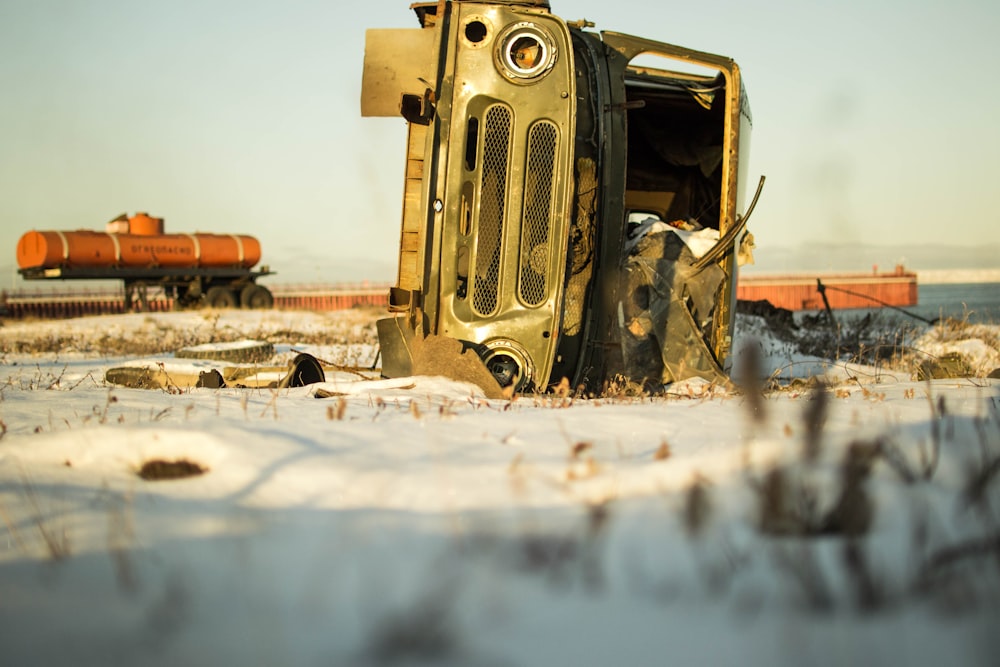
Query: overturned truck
572	202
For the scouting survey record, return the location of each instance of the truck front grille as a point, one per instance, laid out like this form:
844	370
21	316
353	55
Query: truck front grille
535	225
493	194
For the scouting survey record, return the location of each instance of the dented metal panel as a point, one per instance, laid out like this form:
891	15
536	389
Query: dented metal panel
396	61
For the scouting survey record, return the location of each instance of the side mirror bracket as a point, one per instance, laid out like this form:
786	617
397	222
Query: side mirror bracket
418	109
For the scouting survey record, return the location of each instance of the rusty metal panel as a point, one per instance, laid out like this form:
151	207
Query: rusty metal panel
800	292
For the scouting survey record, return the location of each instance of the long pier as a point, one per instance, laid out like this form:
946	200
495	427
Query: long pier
793	292
834	290
21	304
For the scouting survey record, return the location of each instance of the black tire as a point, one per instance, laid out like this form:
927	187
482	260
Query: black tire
257	297
220	297
245	293
305	369
186	296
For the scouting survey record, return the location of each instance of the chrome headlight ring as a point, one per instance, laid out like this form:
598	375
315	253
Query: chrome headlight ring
509	363
525	52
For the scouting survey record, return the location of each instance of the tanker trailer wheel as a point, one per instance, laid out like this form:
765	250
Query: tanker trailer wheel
185	296
220	297
256	297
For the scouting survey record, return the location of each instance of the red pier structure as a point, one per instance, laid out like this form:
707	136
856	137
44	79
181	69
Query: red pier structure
54	305
843	290
792	292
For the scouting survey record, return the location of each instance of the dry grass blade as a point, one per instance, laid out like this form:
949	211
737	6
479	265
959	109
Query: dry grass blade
121	534
814	419
424	632
978	480
750	374
55	538
868	589
852	514
663	452
338	411
697	507
805	570
12	528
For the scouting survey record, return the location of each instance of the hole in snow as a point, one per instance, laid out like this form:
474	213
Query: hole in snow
159	469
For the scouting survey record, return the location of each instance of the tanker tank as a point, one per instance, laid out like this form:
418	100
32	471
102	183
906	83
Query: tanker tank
138	241
192	269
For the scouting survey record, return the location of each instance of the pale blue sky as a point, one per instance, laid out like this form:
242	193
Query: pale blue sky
873	121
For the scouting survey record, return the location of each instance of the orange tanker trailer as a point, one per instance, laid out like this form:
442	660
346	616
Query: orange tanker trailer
194	269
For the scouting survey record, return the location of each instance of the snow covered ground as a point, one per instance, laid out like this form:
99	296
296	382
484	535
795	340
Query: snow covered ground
414	522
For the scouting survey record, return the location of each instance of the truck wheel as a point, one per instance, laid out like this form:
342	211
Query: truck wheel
220	297
185	301
188	296
245	292
257	297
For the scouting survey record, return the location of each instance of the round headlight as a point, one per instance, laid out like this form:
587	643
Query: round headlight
525	51
509	363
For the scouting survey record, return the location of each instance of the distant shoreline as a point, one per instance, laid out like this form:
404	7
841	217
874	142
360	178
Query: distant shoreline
957	276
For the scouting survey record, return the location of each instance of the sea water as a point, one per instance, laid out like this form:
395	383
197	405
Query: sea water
975	303
978	303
